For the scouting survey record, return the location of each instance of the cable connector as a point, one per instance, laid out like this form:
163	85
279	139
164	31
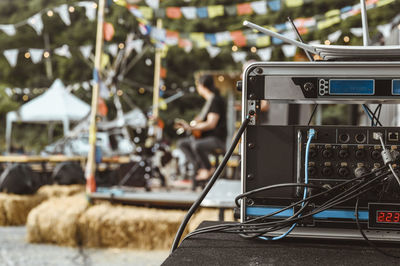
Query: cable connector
311	133
387	157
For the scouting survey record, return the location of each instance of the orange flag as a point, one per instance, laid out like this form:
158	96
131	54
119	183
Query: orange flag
108	31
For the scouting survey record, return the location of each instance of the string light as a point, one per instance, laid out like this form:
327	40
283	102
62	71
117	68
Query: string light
163	88
94	5
121	45
253	49
120	92
46	54
25	97
27	55
221	78
327	42
234	48
346	38
71	9
141	90
50	13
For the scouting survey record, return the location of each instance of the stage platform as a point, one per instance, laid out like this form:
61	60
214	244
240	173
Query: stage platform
221	195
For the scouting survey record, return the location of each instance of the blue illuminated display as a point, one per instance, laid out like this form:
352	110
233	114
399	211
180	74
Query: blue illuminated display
351	87
396	87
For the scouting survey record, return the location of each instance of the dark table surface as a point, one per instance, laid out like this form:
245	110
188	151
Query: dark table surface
231	249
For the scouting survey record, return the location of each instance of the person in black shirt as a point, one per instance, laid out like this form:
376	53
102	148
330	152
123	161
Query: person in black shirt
209	126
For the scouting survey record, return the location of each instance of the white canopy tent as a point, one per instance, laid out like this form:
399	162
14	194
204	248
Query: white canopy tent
55	105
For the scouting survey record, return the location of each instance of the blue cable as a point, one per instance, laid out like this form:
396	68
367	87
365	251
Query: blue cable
311	134
368	114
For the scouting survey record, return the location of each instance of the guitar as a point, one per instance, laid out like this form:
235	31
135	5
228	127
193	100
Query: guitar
183	126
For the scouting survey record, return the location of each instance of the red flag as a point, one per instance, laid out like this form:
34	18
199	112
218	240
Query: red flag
244	9
108	31
102	107
173	12
238	38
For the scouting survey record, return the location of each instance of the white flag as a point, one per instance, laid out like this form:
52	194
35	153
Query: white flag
385	29
265	53
213	51
90	9
11	56
333	37
86	85
8	29
189	12
86	50
113	49
223	37
135	44
63	51
357	31
259	7
9	91
289	50
36	55
153	3
36	23
239	56
64	14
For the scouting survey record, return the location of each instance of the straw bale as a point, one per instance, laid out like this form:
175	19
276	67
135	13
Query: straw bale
108	225
55	221
208	214
14	209
51	191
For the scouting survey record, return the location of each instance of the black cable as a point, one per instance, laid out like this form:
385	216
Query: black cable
372	244
209	185
312	114
220	227
374	118
287	221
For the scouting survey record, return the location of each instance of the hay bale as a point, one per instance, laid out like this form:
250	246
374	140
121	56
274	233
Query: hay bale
14	209
51	191
208	214
55	221
108	225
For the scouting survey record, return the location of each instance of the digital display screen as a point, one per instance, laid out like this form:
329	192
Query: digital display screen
388	216
384	216
351	87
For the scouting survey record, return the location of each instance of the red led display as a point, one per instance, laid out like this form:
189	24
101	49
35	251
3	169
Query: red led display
388	217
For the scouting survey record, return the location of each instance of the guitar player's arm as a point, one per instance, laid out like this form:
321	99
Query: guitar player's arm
210	123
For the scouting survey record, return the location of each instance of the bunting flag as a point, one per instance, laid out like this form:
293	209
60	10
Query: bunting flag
265	53
113	49
135	44
108	31
8	29
333	37
64	14
189	12
259	7
86	50
289	50
153	3
90	9
11	56
357	31
36	55
385	29
63	51
36	23
213	51
239	56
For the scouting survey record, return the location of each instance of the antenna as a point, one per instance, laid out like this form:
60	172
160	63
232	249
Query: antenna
364	21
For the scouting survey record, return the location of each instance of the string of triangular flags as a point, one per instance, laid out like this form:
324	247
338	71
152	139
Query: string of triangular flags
36	55
63	11
152	10
248	37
